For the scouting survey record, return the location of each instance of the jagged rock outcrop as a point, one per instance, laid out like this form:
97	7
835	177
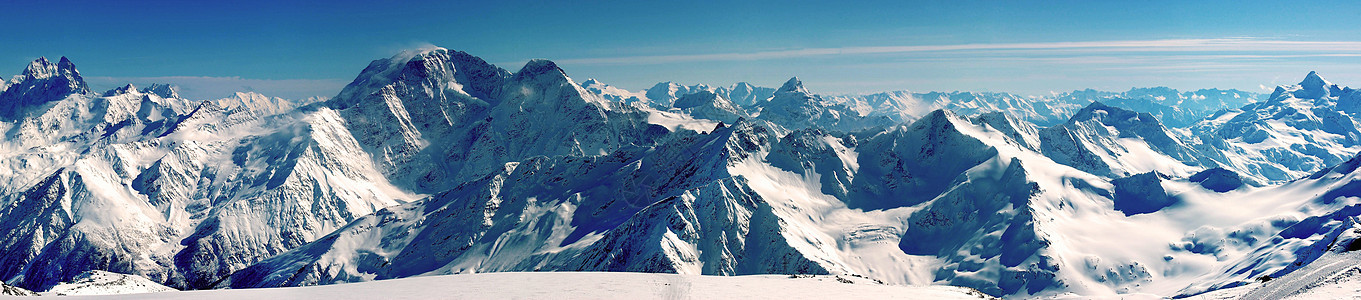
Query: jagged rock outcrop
42	82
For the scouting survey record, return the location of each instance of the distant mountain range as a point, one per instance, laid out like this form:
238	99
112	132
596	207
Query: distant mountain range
437	162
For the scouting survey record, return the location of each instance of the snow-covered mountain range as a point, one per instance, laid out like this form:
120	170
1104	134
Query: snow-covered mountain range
436	162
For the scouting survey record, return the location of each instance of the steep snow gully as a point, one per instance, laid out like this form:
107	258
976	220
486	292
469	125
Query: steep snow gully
435	162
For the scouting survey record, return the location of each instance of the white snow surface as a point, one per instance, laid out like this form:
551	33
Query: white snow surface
587	285
107	283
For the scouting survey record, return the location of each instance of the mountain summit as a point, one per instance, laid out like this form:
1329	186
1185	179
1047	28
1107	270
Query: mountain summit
794	85
40	83
1314	87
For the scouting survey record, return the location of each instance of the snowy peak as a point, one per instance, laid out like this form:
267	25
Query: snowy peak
911	164
793	107
746	94
704	98
1111	141
120	90
163	90
41	68
743	94
612	93
1314	87
66	65
1130	123
792	86
40	83
540	78
542	70
1100	112
430	73
1312	80
256	103
1298	130
663	94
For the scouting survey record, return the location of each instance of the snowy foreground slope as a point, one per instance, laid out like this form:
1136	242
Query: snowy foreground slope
587	285
435	162
106	283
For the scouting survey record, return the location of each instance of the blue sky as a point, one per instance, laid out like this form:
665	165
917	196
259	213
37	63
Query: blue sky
299	49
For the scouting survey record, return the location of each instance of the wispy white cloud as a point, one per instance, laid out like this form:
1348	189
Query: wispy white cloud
1244	46
202	87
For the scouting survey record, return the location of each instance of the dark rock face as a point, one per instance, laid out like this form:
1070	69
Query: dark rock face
1218	180
1141	194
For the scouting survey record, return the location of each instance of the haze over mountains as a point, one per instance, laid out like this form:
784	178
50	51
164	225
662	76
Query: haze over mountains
437	162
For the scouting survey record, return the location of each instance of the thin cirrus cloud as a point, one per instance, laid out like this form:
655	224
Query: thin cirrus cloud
1259	48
